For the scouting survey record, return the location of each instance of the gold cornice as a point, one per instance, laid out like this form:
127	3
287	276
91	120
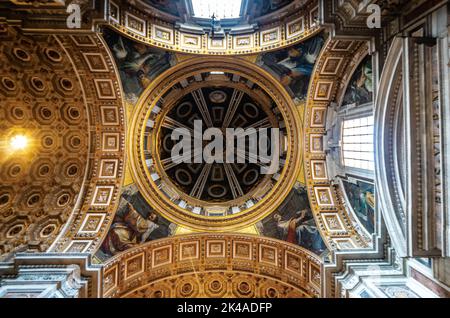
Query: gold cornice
143	26
229	52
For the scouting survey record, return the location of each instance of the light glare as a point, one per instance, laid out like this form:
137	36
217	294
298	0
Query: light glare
19	142
222	9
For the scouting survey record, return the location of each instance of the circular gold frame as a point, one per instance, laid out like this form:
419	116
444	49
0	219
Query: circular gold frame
162	203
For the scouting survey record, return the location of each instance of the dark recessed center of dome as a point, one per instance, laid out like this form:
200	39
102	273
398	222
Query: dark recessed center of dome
219	108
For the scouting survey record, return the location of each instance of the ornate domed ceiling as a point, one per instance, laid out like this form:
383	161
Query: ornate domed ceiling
228	179
228	191
170	91
129	139
61	148
167	91
42	177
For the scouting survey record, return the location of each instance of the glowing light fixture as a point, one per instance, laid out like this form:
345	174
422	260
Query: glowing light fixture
18	142
221	9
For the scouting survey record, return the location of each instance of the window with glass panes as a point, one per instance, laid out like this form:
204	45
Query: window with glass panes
357	143
221	9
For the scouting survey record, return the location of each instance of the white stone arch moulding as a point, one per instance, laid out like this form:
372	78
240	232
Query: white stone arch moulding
387	176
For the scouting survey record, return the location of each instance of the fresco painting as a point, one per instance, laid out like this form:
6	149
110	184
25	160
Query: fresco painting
294	222
361	197
360	88
135	223
138	64
294	66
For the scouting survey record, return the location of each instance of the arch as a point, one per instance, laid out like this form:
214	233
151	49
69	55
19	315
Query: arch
332	71
76	102
224	260
388	121
102	93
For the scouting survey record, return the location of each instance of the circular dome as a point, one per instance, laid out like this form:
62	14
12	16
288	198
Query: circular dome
215	147
225	108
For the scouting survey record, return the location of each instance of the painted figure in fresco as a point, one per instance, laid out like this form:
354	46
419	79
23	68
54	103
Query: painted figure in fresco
136	222
360	89
294	222
301	230
138	64
362	199
365	210
294	66
128	231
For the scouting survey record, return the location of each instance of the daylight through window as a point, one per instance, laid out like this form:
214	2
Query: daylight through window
221	9
358	148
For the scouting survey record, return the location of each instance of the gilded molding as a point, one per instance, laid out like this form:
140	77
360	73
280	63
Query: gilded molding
272	268
142	27
332	71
